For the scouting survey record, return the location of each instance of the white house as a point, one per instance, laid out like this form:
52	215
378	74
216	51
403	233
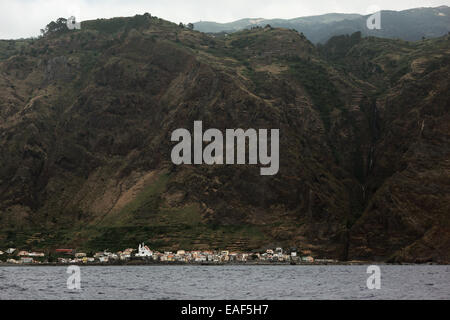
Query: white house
106	253
62	260
13	261
308	259
144	251
201	258
125	256
26	260
36	254
10	250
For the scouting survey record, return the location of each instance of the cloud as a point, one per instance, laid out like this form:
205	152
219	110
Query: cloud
24	18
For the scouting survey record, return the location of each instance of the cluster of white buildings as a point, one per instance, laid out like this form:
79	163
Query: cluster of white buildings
277	255
190	256
21	257
146	254
99	257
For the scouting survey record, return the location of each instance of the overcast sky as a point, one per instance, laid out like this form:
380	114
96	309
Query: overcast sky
24	18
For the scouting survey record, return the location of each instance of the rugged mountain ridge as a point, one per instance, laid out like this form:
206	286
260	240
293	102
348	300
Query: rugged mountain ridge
410	25
86	118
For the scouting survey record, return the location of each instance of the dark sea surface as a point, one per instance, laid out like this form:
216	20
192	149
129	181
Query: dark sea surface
226	282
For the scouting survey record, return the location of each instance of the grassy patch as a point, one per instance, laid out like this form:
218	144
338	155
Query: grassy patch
146	205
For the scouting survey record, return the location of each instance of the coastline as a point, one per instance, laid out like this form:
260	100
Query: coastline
247	264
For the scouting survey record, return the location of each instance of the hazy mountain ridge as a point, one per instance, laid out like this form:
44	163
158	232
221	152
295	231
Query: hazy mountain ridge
410	25
86	118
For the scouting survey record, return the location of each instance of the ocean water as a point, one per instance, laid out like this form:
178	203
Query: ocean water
226	282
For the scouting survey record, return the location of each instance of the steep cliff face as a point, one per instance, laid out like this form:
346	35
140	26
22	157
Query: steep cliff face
87	116
408	210
406	178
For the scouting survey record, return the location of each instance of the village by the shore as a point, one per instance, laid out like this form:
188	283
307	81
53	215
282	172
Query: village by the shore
143	255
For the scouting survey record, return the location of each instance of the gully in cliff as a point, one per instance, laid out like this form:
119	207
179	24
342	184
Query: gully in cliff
213	154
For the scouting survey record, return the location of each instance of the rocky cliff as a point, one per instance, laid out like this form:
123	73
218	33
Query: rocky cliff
86	118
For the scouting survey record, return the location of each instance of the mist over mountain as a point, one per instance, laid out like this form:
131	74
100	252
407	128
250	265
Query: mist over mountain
86	118
410	25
